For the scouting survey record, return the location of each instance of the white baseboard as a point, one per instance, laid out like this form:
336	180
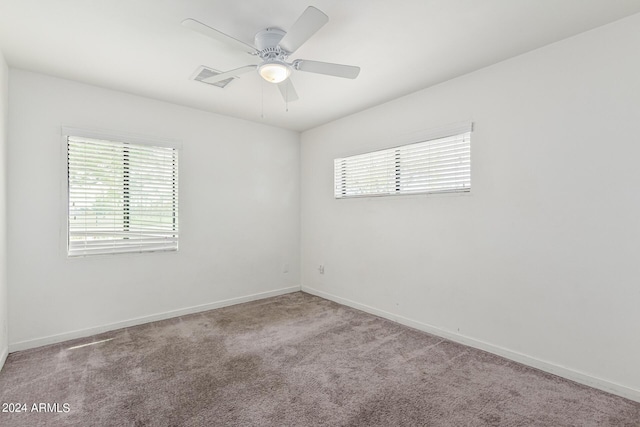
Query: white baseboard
3	356
81	333
561	371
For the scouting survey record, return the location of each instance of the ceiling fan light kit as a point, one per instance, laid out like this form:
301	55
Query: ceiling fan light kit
274	71
273	46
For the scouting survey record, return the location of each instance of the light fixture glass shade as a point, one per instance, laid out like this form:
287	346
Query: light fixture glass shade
274	72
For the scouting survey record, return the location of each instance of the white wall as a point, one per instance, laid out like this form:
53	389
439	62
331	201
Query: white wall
239	214
4	316
541	261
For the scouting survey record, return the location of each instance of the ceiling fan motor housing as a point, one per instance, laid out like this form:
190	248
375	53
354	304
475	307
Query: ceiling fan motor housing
269	39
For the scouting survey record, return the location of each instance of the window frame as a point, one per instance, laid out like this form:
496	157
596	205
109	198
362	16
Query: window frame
136	139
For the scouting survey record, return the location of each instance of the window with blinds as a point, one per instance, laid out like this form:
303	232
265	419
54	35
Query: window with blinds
433	166
123	197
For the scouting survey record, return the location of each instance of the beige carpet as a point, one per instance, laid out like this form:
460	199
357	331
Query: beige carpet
293	360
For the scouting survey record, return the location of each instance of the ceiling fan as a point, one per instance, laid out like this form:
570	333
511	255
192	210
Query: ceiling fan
273	46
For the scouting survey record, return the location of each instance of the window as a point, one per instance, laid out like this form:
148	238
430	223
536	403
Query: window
432	166
123	197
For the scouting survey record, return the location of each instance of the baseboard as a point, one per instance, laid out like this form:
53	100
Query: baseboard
3	356
81	333
561	371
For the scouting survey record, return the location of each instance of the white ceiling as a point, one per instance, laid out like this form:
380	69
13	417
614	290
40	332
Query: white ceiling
139	46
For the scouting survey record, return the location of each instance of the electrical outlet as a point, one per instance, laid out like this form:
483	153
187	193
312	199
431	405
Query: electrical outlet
321	268
285	268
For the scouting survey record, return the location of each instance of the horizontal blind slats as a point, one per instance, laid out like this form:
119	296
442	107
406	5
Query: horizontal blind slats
123	197
439	165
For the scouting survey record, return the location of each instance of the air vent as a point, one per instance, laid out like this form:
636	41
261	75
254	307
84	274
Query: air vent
204	72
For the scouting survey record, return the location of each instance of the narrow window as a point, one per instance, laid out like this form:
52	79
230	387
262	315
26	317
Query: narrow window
432	166
123	197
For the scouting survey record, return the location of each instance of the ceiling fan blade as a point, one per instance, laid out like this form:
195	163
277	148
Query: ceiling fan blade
228	74
198	26
337	70
287	90
307	24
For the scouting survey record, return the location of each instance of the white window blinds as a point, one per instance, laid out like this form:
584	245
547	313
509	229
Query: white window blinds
434	166
123	197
